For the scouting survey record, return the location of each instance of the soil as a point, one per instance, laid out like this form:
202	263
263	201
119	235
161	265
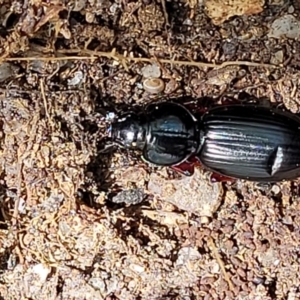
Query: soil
83	220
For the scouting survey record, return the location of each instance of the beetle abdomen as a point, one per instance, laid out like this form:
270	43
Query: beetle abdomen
250	142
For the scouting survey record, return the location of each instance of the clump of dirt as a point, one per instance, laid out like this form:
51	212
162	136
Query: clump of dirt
82	220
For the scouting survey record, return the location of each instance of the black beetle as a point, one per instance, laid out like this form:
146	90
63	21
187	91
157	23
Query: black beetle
246	141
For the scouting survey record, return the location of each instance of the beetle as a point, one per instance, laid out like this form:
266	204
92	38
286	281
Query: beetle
240	141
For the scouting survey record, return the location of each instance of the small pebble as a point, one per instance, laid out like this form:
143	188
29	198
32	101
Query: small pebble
7	71
275	189
153	85
77	79
151	71
291	9
285	26
194	194
130	197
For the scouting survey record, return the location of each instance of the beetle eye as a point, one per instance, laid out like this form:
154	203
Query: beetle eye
110	116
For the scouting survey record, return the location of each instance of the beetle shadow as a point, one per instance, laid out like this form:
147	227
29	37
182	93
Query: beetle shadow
98	173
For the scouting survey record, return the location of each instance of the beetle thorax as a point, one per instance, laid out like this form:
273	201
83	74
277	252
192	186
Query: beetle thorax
172	135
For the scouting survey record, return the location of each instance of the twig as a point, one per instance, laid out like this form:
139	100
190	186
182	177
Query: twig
114	55
44	58
122	59
19	188
220	262
163	3
44	98
20	255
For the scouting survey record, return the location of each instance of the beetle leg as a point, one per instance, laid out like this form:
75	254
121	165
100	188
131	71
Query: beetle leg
199	106
196	108
248	99
228	100
215	177
184	168
187	167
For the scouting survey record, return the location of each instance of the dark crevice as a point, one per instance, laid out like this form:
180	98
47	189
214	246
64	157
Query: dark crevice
59	286
271	287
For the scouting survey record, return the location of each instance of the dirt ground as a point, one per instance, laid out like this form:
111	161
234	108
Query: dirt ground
79	221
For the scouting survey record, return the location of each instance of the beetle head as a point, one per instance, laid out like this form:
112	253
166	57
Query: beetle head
129	131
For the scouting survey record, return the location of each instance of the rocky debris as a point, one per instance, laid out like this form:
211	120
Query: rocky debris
78	223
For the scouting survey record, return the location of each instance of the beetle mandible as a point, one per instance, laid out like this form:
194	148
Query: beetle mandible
241	141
